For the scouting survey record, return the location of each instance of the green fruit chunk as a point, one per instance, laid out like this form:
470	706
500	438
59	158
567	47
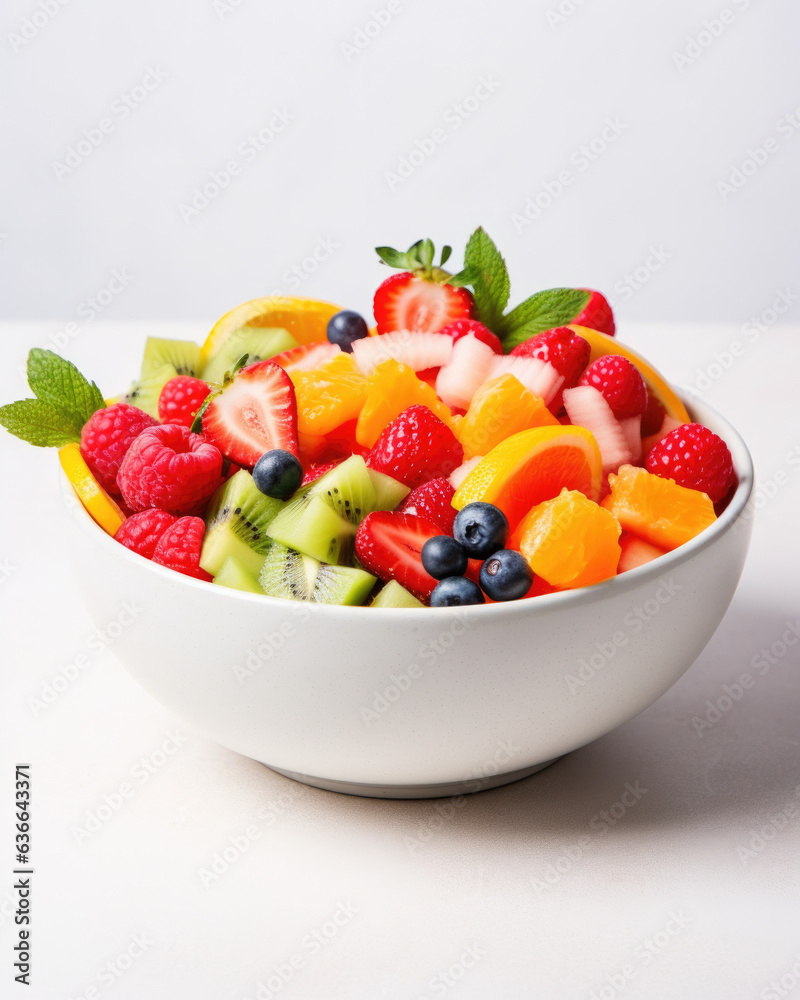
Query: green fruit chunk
321	521
297	577
236	525
145	393
388	492
259	343
233	575
183	355
395	596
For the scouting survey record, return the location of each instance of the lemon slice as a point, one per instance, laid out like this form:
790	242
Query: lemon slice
90	493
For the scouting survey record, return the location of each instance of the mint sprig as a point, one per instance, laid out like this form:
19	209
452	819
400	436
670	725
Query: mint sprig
486	273
65	400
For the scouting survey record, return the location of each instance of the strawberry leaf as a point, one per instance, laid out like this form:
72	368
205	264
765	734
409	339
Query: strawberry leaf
392	257
488	276
40	424
542	311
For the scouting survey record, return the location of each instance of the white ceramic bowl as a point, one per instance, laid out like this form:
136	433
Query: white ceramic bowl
411	703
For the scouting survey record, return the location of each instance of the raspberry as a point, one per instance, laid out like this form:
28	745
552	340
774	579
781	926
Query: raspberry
695	457
181	398
462	327
415	447
170	468
563	348
620	383
141	532
179	547
432	500
106	437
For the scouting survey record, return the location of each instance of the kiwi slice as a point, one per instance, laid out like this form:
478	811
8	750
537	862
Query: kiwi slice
144	394
235	576
183	355
395	596
321	520
259	343
388	492
237	521
292	575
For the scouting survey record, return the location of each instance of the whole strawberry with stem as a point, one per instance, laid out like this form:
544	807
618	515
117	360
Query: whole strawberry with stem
421	298
181	399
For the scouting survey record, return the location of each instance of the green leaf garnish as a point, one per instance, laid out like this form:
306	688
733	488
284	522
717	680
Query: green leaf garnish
39	423
542	311
491	285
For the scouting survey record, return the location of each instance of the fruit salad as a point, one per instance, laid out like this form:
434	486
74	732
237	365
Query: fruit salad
456	452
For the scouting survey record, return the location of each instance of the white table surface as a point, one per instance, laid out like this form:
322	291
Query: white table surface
521	893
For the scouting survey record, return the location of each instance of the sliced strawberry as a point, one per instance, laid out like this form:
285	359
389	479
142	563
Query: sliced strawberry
417	350
415	447
482	333
254	413
407	302
432	500
389	545
306	357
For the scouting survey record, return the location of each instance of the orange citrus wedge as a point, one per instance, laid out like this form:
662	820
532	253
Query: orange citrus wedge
601	344
90	493
533	466
305	319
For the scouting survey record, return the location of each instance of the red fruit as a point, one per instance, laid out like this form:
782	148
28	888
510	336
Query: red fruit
620	383
315	471
254	413
406	302
415	447
389	545
564	349
342	441
653	416
462	327
170	468
106	437
432	501
141	531
597	314
179	547
181	398
306	357
694	457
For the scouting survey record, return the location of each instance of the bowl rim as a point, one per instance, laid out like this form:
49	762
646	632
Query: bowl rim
632	579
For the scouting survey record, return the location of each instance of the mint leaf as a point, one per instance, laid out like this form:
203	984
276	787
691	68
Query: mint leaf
488	276
58	383
39	423
542	311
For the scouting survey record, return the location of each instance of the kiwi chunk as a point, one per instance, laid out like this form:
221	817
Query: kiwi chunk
321	520
145	393
235	576
388	492
395	596
259	343
297	577
183	355
237	521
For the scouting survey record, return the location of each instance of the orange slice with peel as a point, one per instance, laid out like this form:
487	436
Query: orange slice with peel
601	345
91	494
305	319
533	466
501	407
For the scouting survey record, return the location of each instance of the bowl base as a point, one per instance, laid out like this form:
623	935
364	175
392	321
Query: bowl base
445	789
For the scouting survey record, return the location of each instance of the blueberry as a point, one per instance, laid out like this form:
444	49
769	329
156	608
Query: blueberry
278	473
506	576
346	326
455	591
481	528
442	556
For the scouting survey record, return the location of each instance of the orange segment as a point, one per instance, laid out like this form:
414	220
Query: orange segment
501	407
394	387
569	541
533	466
91	494
601	344
305	319
656	509
329	396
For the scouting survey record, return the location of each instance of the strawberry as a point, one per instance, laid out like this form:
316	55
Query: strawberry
306	357
419	299
181	398
620	383
432	500
564	349
389	545
315	471
653	416
596	314
694	457
254	412
415	447
462	327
